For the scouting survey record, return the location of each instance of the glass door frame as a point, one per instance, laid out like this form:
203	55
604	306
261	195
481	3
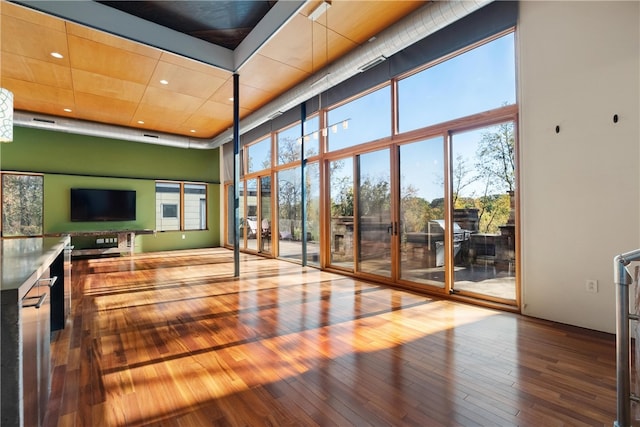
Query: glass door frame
515	206
445	130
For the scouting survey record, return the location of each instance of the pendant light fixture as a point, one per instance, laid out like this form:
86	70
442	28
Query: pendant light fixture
6	115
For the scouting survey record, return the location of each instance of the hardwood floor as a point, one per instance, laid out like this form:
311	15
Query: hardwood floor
171	339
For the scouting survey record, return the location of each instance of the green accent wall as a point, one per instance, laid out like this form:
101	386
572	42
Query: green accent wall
37	150
76	161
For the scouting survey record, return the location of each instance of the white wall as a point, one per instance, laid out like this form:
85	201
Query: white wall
580	193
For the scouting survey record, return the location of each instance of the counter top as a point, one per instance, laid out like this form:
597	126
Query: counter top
23	260
101	232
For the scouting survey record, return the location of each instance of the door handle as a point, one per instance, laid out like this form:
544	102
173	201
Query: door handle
38	304
51	281
393	228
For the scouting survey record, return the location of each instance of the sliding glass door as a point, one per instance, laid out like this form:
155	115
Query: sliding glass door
265	215
422	240
341	230
483	173
375	225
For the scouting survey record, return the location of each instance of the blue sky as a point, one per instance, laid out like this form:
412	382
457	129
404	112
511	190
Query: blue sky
475	81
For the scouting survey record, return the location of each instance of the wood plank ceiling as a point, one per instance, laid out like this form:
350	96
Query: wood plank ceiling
109	79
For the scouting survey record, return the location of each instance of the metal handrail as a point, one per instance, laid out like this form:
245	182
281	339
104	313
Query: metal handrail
622	279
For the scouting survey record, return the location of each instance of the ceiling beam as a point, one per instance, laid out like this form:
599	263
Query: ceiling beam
113	21
269	25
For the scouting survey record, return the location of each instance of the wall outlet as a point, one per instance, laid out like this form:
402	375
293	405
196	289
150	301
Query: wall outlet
183	236
591	286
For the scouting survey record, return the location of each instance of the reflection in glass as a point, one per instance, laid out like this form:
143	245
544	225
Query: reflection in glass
265	214
242	221
167	206
312	137
195	206
290	213
374	213
251	220
422	244
341	205
483	188
289	145
312	183
230	214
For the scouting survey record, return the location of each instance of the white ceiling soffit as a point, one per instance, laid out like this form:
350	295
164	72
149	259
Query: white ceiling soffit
427	20
113	21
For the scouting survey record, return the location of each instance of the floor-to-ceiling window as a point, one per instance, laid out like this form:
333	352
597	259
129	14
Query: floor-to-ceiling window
415	180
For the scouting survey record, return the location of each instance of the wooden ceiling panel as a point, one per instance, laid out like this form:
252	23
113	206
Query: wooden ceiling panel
185	81
270	75
31	16
251	98
373	16
26	93
107	87
171	100
102	59
33	70
205	126
32	40
292	45
156	114
163	119
104	109
219	111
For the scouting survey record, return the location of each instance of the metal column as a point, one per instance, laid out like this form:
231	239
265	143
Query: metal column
236	174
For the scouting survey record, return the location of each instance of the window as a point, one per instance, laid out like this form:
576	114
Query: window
362	120
289	145
194	196
478	80
169	211
22	205
312	138
181	206
258	155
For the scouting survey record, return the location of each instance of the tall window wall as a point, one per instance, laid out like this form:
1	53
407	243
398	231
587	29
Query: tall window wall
412	182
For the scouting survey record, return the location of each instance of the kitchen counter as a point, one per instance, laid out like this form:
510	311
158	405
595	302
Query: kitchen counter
23	263
23	260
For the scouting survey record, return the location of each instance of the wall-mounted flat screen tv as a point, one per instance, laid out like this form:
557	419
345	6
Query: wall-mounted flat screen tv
102	205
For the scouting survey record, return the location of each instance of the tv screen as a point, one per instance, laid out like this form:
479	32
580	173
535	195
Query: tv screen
102	205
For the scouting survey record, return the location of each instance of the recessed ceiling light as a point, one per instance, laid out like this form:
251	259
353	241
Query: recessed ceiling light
192	131
68	110
141	122
231	99
164	82
57	55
